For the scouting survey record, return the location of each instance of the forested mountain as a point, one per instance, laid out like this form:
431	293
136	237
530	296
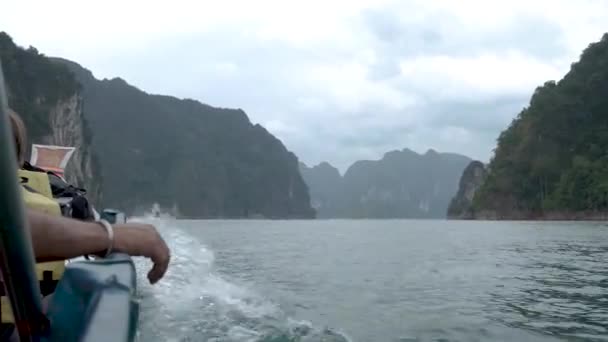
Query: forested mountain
552	160
197	160
472	178
403	184
48	98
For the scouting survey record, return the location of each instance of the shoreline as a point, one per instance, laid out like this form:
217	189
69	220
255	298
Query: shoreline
534	216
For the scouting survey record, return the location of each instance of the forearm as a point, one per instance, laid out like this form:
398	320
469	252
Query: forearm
57	238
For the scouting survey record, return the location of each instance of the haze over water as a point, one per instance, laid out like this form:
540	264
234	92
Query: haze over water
392	280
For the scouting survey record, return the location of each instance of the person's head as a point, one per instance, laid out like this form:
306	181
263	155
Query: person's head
20	136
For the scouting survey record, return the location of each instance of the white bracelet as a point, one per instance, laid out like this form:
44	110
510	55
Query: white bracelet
110	231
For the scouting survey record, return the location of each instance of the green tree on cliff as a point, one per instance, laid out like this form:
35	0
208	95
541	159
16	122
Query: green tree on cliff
554	155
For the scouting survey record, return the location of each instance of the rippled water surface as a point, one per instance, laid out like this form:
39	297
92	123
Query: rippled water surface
379	281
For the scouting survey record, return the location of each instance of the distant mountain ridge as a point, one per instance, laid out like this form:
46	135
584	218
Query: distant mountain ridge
325	185
403	184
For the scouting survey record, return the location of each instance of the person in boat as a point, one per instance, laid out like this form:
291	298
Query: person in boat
59	238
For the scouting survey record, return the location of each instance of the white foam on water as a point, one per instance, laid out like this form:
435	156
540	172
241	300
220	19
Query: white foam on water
239	298
239	333
191	292
193	302
307	332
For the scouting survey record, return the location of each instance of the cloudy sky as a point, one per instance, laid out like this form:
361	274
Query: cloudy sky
335	80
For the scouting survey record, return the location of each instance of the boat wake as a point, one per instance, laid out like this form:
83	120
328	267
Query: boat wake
195	303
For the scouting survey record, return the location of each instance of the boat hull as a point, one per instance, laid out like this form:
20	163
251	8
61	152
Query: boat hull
95	301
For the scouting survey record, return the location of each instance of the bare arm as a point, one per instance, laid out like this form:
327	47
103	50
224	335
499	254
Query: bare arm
57	238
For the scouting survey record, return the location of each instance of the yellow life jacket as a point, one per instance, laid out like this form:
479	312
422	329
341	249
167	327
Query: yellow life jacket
37	194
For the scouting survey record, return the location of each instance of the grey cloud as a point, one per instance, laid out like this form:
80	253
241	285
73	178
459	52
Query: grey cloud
263	77
531	35
485	114
386	68
266	86
369	134
385	25
431	37
373	135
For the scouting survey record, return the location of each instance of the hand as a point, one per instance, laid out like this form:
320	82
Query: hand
138	239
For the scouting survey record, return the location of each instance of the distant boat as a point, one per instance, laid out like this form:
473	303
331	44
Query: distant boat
156	210
113	216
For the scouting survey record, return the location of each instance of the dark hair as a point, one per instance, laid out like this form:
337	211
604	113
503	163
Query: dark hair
20	136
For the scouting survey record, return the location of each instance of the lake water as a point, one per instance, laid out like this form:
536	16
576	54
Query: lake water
392	280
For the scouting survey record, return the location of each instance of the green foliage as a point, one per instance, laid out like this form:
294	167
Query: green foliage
36	85
554	155
208	162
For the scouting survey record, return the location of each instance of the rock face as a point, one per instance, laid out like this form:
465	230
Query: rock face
472	178
49	100
551	162
325	184
190	158
68	129
403	184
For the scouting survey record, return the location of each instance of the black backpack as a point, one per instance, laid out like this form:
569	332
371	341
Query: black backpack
72	200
